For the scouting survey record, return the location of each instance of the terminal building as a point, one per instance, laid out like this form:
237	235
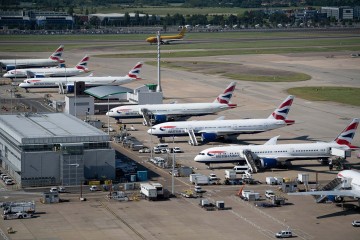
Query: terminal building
54	149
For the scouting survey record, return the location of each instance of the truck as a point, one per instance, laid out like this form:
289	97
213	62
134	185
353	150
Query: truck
230	174
271	181
201	180
148	191
18	215
303	178
15	207
159	189
193	176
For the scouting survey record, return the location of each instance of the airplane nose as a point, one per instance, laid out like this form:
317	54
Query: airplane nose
149	131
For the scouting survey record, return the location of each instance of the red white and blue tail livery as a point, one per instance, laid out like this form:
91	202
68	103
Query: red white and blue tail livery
347	135
225	97
283	110
82	65
135	71
57	54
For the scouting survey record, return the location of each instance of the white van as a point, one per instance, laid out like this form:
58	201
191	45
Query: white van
162	146
241	169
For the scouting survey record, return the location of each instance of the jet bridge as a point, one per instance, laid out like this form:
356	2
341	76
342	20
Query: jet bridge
248	156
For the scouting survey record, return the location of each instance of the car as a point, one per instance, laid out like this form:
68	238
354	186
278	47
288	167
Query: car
164	150
269	193
54	190
9	182
144	150
157	150
93	188
213	177
61	189
284	234
177	150
2	175
198	189
356	223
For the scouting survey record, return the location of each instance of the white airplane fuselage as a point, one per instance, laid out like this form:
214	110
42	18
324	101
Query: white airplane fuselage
89	81
189	109
26	63
228	127
49	72
354	175
281	152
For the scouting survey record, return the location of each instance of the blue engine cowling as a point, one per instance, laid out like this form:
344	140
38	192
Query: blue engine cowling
208	137
267	163
70	88
9	67
160	118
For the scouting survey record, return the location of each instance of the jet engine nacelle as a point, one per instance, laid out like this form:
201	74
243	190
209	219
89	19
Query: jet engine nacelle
160	118
70	88
9	67
208	137
336	199
267	163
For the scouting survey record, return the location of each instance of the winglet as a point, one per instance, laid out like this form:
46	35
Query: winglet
272	141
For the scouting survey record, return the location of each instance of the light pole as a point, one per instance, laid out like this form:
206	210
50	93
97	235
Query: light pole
172	172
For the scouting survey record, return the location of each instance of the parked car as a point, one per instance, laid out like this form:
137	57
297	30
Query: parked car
144	150
157	150
356	223
54	190
61	189
198	189
269	193
284	234
164	150
93	188
9	182
6	178
2	175
177	150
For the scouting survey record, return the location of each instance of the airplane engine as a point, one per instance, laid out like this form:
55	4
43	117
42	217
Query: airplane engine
337	199
160	118
267	163
9	67
208	137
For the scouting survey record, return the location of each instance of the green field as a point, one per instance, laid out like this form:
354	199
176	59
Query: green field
343	95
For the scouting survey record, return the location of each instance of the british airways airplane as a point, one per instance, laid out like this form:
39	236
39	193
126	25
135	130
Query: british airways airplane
166	112
90	81
271	154
211	130
53	60
79	68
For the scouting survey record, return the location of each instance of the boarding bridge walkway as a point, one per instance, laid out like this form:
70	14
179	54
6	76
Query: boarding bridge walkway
332	185
247	154
145	114
193	140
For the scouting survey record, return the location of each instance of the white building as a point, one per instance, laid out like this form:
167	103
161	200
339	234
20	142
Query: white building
53	149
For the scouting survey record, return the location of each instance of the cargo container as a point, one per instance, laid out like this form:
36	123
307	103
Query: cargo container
148	190
230	174
201	180
142	176
271	181
193	176
303	177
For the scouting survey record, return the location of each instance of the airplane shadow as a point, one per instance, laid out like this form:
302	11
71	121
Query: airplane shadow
349	209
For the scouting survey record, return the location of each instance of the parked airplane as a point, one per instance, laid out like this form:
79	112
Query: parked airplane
271	154
211	130
166	112
351	176
168	39
90	81
53	60
79	68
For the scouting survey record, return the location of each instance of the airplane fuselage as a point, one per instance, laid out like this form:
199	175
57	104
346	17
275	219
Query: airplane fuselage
51	72
281	152
223	127
26	63
188	109
89	81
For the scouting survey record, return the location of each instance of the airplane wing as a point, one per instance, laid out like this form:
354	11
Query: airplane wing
343	193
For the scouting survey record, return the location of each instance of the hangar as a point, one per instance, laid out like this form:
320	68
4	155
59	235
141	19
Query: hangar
54	149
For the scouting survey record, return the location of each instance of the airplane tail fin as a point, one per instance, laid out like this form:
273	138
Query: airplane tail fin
135	71
183	31
226	96
282	111
57	54
347	135
82	65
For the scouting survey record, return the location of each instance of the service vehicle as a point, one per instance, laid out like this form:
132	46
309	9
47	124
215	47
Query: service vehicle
177	150
241	168
15	207
9	181
356	223
18	215
148	191
269	193
284	234
94	188
198	189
